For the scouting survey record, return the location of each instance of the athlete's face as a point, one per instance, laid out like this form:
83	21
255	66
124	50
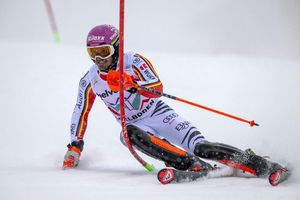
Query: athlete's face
102	55
103	64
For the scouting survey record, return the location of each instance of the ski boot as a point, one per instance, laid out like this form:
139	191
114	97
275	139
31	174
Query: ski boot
246	161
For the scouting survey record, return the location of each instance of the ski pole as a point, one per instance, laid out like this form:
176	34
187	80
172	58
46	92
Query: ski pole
251	123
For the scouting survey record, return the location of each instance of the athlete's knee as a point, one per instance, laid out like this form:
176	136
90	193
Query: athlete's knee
215	151
209	150
136	135
133	130
202	148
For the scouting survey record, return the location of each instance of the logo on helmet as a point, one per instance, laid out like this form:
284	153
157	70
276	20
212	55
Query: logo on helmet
95	38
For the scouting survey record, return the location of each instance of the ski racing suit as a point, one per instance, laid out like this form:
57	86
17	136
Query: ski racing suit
142	109
154	127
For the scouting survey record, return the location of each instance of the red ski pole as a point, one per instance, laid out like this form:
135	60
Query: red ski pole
251	123
122	110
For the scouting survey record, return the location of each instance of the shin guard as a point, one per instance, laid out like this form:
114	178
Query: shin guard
159	149
234	157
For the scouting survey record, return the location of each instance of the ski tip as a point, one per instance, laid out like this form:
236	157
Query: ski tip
278	176
165	176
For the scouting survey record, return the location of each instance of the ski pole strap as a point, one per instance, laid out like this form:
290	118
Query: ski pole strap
251	123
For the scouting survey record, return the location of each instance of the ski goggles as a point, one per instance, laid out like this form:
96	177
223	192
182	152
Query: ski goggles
103	51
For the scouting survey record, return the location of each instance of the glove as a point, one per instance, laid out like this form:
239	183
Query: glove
113	81
72	156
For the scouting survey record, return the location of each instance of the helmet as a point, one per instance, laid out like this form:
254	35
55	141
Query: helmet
104	35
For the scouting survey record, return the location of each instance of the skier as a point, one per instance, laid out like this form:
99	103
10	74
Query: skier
153	127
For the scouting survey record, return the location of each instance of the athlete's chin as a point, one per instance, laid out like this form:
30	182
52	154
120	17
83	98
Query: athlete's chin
102	67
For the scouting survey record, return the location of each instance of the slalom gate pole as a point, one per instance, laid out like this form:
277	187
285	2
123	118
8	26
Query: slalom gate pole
251	123
122	109
52	21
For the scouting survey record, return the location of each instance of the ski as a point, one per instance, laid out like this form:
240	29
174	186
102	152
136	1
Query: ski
171	175
279	176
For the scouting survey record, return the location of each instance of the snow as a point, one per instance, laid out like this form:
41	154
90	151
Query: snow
38	92
38	88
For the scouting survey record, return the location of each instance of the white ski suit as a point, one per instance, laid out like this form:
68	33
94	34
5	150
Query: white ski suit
142	109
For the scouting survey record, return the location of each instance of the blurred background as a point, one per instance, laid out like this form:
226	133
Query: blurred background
268	28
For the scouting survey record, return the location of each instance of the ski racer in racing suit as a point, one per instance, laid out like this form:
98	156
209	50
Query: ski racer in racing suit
153	127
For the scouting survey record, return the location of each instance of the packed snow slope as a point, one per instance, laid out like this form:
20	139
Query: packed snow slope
38	93
239	57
